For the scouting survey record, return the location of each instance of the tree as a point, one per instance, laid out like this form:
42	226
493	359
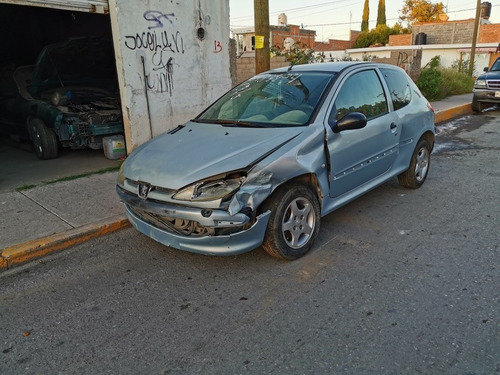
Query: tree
378	35
421	11
366	15
381	20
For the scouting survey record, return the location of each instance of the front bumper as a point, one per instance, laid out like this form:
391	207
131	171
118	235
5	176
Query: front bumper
231	244
487	95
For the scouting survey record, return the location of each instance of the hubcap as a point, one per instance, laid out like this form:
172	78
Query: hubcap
298	223
422	164
37	141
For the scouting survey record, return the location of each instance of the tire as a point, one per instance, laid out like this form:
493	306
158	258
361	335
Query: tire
294	222
416	174
477	106
44	140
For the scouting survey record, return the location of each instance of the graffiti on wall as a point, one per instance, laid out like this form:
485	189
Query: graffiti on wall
161	42
403	59
217	46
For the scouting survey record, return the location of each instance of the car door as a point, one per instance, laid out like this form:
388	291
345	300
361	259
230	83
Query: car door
361	155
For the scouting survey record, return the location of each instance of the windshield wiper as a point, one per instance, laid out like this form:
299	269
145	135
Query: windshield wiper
236	123
230	123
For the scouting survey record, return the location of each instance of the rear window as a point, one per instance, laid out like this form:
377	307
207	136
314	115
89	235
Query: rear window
398	86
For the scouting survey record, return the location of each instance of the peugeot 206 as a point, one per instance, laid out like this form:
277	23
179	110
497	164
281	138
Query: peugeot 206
262	164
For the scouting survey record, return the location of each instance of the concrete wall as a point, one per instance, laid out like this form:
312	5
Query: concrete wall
448	53
172	61
451	32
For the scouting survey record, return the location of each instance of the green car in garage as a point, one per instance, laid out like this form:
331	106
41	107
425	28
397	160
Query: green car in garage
69	97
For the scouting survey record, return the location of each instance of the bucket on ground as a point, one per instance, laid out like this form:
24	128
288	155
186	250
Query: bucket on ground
114	147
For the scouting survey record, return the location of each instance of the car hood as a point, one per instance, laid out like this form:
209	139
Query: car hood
492	74
87	61
196	151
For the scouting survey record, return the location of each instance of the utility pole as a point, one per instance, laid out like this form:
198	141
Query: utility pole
474	38
261	20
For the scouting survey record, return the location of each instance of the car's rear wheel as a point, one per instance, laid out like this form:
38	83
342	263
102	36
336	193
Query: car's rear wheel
293	223
44	140
416	174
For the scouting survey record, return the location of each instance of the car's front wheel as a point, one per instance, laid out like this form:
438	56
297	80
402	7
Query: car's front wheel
293	223
415	176
477	106
44	140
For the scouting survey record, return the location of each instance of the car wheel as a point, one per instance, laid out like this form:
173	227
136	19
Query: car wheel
44	140
293	223
477	106
415	176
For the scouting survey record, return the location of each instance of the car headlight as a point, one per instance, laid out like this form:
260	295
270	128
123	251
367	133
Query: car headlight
210	190
59	98
121	176
480	84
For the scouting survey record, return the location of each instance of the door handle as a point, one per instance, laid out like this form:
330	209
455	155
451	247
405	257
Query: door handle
393	126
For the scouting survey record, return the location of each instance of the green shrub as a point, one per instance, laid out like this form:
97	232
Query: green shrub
437	82
430	82
455	83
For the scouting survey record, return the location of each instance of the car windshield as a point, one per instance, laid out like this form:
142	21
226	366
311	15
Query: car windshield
270	100
496	66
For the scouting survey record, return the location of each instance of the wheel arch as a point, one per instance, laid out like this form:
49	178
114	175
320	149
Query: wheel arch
429	137
309	180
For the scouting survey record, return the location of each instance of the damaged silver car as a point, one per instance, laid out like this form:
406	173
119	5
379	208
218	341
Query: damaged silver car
263	163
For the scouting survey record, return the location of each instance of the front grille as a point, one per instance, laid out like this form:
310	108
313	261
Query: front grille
493	84
178	226
83	130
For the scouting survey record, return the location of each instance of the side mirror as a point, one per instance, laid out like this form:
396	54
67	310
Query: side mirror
354	120
485	69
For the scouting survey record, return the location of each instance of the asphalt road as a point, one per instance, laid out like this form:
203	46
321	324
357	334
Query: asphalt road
399	282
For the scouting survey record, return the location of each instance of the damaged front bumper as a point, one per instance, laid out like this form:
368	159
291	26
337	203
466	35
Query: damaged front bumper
210	244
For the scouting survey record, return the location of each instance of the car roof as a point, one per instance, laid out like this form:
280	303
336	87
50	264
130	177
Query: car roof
333	67
320	67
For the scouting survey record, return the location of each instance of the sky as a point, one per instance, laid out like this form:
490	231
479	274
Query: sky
333	19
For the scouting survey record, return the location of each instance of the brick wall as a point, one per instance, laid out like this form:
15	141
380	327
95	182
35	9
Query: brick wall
400	40
332	45
489	33
301	37
245	66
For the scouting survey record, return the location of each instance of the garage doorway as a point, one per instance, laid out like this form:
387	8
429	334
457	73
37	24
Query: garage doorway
26	30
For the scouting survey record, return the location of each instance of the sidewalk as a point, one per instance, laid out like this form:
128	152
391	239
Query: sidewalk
53	217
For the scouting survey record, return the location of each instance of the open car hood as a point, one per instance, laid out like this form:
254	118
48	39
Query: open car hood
197	151
75	62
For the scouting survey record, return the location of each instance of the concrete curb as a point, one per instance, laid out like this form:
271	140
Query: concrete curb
448	114
21	253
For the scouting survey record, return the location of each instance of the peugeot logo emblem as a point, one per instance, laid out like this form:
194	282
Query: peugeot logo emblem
143	190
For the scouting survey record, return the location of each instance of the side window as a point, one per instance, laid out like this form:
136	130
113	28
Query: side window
361	92
399	87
